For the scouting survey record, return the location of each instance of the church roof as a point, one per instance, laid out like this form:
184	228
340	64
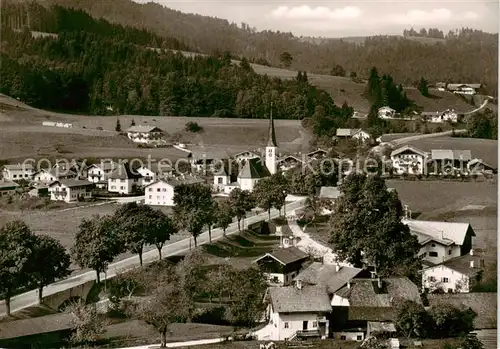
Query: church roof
254	168
271	142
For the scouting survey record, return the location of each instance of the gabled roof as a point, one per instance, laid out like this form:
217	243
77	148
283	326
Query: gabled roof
18	167
289	157
476	161
484	304
456	86
105	165
123	172
285	256
444	232
461	264
254	168
175	181
70	183
329	193
385	108
317	151
308	299
157	168
448	154
249	152
327	275
347	132
143	129
208	153
410	148
37	325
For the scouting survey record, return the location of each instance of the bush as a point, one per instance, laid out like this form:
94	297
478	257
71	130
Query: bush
213	316
450	321
193	127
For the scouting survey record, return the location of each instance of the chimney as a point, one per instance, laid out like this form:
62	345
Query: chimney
337	267
379	282
298	283
348	284
471	252
472	264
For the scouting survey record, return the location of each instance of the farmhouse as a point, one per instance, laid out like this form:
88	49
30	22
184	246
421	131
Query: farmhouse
463	89
441	241
282	265
144	134
369	300
245	155
48	176
457	274
477	166
99	173
351	133
298	311
123	180
448	161
317	154
161	192
207	159
7	187
17	172
440	117
153	172
70	190
409	159
288	162
386	113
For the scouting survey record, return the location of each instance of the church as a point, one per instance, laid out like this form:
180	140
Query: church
253	169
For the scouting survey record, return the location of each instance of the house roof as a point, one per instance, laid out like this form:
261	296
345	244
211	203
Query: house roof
461	264
445	154
285	256
249	152
480	161
376	326
209	153
158	167
289	157
106	165
308	299
37	325
347	132
365	292
456	86
444	232
175	181
327	275
483	304
329	193
70	183
18	167
410	148
123	171
385	108
7	184
317	151
143	129
254	168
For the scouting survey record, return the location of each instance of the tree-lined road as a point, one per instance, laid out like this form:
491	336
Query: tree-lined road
30	298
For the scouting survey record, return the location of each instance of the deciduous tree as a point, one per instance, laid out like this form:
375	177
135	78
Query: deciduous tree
96	244
87	325
241	202
224	215
160	228
412	320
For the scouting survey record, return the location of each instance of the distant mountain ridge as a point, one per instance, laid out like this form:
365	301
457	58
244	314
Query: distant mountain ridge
472	56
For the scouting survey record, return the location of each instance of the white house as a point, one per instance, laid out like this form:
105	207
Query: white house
317	154
409	159
458	274
386	113
252	172
48	176
70	190
161	192
17	172
297	311
464	89
123	180
449	115
98	173
151	173
441	241
245	155
289	162
144	134
353	133
282	265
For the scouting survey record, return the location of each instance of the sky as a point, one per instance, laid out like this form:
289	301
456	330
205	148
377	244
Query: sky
347	18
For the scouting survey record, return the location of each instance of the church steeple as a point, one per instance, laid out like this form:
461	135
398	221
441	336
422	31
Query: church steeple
272	146
271	142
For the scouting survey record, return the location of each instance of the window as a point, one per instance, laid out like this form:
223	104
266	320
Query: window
424	254
158	190
433	254
123	181
286	325
113	187
157	198
150	196
450	290
342	338
315	324
150	189
122	187
446	280
432	278
164	189
219	180
449	252
14	176
433	245
359	338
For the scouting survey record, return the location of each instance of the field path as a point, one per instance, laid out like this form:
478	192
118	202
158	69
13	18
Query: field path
404	140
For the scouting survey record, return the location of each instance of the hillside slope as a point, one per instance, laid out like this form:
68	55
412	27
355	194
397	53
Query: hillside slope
469	57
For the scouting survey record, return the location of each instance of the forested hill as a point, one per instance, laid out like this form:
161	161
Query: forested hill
466	55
